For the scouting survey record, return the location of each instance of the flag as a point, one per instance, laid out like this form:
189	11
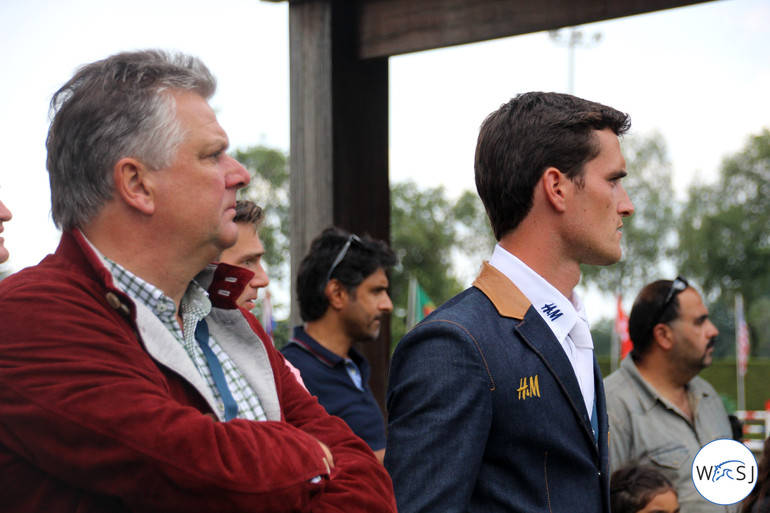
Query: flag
621	328
419	304
741	337
268	322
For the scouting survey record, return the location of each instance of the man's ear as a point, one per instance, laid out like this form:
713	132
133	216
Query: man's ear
336	294
663	336
134	185
554	184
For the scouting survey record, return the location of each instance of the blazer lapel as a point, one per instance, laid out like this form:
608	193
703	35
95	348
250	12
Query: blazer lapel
532	329
538	336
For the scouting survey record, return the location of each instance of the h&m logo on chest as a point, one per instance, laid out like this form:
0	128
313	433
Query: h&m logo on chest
528	387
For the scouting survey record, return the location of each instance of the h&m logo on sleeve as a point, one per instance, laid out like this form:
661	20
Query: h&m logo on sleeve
528	387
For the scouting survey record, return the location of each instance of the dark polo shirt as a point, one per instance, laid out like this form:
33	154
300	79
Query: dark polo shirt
327	378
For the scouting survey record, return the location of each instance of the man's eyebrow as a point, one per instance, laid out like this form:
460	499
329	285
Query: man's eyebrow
620	173
220	144
249	256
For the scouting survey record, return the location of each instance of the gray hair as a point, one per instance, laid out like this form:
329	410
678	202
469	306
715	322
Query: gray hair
112	109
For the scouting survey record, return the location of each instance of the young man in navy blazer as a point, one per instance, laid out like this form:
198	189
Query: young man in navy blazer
495	400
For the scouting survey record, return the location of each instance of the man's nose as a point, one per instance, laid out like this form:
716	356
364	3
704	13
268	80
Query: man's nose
625	207
237	175
713	330
260	279
387	304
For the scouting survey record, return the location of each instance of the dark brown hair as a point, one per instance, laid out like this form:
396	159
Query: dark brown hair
526	136
632	488
248	212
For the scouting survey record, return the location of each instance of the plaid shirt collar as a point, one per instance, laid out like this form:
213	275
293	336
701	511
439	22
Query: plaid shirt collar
139	290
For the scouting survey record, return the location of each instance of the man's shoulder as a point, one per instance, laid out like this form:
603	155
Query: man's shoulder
305	357
703	387
470	307
620	386
52	277
616	377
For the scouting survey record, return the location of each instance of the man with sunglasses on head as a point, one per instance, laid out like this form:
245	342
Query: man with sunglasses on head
342	290
661	413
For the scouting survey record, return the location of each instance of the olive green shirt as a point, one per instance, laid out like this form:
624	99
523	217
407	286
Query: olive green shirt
647	429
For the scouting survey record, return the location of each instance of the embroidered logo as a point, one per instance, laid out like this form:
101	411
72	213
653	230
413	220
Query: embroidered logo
551	311
528	387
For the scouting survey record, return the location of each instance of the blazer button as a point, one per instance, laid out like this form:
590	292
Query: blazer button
113	300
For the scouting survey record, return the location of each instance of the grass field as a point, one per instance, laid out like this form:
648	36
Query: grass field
721	374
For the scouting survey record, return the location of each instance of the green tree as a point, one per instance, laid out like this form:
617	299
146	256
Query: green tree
430	235
601	333
725	236
649	235
269	188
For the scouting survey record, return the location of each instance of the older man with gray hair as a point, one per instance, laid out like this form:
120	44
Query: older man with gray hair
142	386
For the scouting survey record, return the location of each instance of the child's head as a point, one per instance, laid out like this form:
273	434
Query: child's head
642	490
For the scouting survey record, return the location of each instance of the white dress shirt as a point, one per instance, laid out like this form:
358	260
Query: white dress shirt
565	316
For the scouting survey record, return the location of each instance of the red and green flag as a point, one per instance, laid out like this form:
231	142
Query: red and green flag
419	304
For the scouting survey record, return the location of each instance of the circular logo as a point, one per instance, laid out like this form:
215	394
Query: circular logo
724	471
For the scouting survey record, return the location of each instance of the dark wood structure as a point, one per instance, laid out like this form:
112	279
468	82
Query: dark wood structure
339	53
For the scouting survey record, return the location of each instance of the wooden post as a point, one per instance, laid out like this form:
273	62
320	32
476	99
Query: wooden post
339	142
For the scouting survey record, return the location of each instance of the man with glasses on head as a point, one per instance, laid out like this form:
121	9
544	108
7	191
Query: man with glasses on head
661	413
342	290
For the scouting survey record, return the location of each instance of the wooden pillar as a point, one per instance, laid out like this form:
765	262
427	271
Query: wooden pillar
339	142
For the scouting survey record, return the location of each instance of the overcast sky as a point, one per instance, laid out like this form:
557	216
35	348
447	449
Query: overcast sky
700	75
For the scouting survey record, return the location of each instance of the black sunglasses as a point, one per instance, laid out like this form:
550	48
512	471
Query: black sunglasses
677	286
341	255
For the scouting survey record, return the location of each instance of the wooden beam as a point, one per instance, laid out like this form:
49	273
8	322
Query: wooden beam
339	143
310	158
360	157
392	27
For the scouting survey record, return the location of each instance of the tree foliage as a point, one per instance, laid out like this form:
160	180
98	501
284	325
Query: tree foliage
725	235
649	235
431	234
720	238
269	188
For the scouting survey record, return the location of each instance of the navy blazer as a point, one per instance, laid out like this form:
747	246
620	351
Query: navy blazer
486	414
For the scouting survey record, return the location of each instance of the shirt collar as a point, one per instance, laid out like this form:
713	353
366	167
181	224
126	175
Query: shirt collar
558	312
323	355
148	294
651	395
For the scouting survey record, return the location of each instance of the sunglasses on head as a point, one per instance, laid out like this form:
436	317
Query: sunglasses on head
341	255
677	286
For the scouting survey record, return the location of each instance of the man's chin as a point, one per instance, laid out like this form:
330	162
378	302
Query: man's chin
227	236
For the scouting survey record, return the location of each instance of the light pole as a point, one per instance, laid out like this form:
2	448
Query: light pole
575	38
